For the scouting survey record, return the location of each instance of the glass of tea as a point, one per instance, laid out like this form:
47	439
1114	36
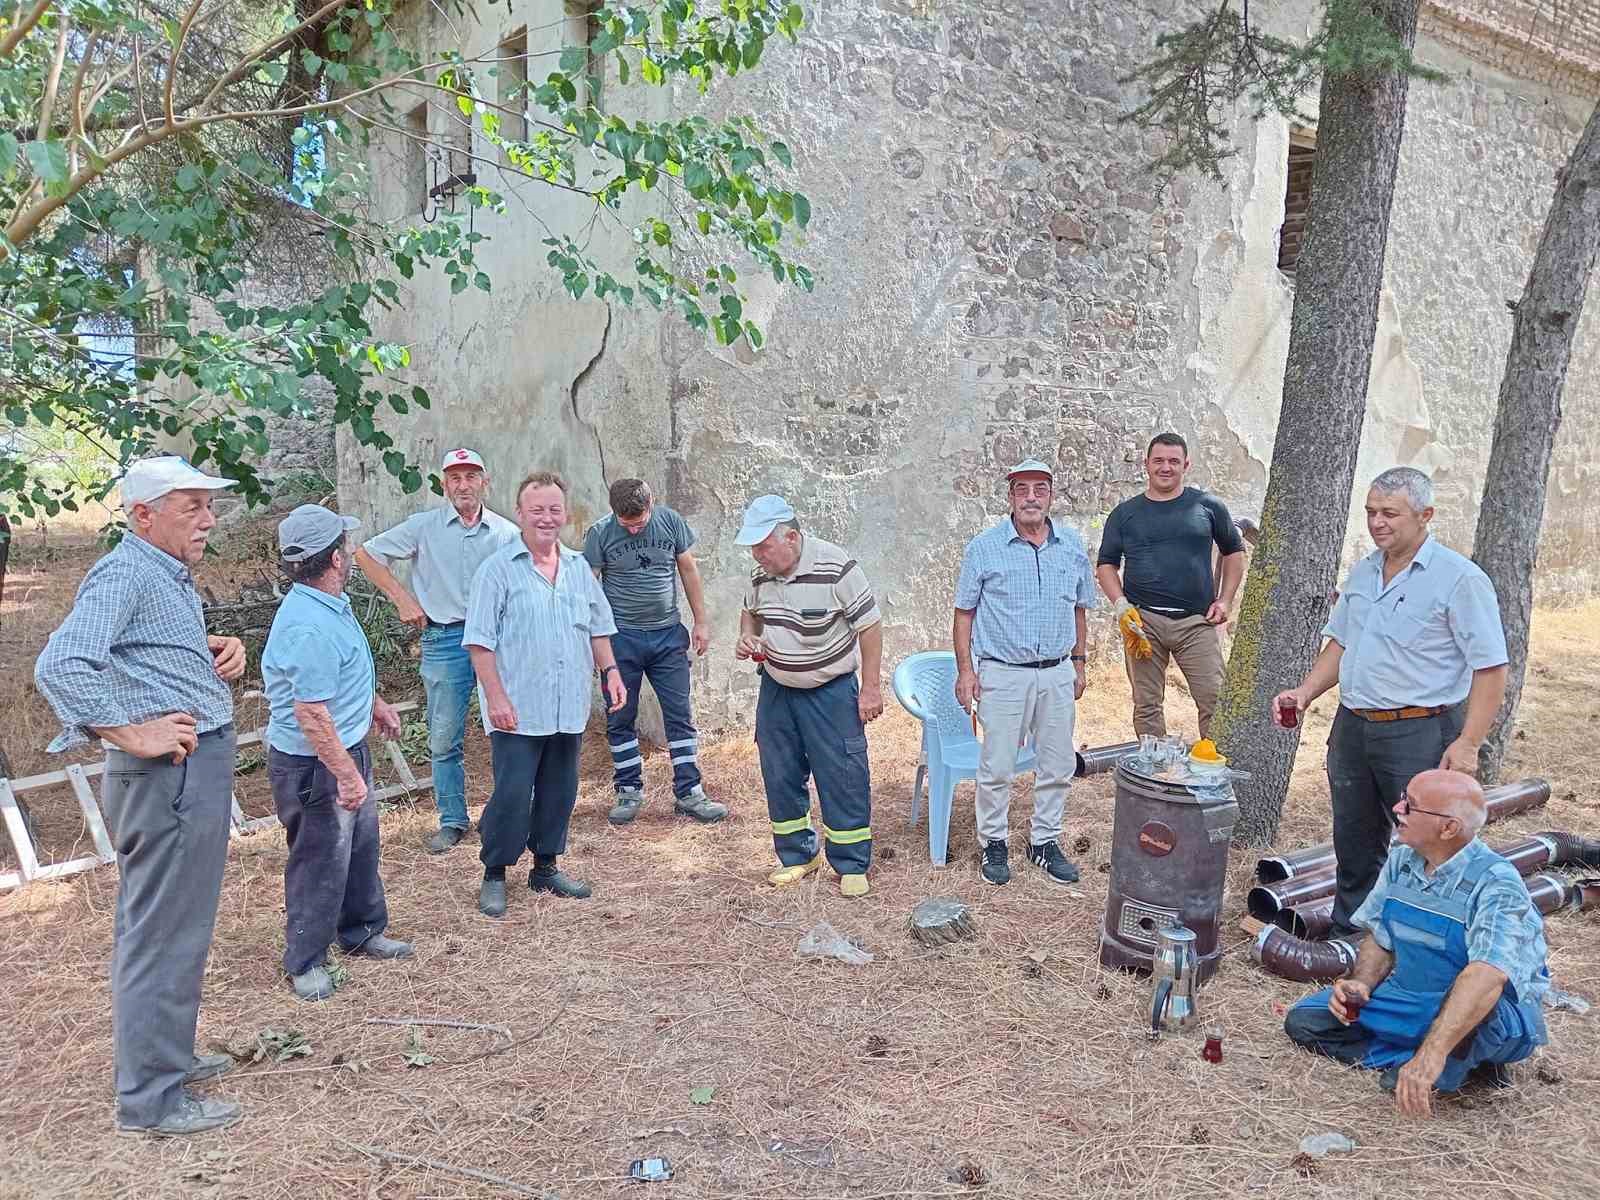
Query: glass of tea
1288	714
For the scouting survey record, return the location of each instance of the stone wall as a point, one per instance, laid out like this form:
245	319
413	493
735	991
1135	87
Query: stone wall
998	278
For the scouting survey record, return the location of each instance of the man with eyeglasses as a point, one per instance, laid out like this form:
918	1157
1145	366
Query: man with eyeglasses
1416	647
1448	986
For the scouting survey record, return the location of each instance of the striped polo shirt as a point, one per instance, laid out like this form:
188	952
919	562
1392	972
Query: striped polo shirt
812	617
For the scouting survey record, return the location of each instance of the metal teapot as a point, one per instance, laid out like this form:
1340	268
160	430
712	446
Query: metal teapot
1175	978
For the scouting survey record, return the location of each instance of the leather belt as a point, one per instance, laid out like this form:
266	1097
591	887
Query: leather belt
1399	714
1043	664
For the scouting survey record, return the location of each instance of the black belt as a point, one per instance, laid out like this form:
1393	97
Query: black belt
444	624
1043	664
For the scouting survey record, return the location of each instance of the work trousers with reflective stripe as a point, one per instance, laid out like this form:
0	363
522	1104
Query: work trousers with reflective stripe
662	657
816	733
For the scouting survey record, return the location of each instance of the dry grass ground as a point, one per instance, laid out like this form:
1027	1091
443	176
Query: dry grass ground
972	1071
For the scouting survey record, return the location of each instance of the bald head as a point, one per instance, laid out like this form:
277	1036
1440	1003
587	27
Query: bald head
1454	793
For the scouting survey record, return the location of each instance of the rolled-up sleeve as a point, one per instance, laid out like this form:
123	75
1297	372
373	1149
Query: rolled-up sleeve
69	672
969	583
303	657
399	542
1474	616
484	602
1505	930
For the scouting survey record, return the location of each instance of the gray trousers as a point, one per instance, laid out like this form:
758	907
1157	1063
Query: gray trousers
170	827
1015	704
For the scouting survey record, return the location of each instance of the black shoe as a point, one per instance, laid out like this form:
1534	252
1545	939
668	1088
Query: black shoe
996	868
1057	864
492	898
1390	1079
444	838
1490	1074
548	879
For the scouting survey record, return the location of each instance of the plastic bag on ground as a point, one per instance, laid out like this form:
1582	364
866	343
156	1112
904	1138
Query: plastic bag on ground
824	941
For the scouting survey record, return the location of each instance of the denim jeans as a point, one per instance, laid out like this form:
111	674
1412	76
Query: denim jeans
662	657
449	683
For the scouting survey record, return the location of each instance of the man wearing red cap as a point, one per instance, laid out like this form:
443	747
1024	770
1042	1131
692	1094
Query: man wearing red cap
445	547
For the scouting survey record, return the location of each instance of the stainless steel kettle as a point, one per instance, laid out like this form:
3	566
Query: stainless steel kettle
1175	978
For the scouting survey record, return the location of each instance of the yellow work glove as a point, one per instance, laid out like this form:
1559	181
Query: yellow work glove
1134	640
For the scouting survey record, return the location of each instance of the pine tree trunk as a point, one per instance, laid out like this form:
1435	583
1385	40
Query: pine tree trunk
1507	542
1338	280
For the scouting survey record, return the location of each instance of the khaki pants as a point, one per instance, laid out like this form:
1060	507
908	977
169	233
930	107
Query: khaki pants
1014	704
1196	646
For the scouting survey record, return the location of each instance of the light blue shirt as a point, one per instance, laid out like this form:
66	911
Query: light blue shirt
539	632
317	652
1417	640
1025	596
1504	929
445	555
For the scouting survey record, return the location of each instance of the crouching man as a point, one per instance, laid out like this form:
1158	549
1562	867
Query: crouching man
1448	985
322	691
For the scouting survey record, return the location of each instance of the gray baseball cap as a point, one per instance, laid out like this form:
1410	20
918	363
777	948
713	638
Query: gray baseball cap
1031	466
309	530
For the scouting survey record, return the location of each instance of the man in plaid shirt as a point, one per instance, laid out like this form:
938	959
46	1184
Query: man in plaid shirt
133	666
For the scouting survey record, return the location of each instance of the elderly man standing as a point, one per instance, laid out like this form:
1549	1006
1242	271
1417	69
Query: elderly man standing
1415	631
1161	542
537	625
1450	982
639	553
809	619
133	666
445	546
322	693
1019	632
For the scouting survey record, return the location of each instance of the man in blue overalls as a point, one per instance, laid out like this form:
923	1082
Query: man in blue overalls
1449	984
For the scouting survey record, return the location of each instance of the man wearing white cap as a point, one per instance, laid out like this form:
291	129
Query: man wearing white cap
809	619
1020	628
322	693
133	666
445	547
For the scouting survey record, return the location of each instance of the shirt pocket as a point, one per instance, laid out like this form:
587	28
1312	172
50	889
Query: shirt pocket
1410	631
1067	578
579	613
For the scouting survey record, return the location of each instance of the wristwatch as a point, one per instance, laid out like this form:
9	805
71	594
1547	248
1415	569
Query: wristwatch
603	670
1083	658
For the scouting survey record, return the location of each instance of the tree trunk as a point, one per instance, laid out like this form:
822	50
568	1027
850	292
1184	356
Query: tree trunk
1507	542
1338	280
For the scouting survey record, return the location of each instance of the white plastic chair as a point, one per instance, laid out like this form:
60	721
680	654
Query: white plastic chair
925	685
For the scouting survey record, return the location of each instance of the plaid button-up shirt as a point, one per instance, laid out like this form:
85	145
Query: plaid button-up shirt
133	648
1025	596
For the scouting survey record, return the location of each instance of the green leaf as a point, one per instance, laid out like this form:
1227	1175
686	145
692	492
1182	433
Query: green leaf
702	1095
189	177
703	220
465	104
781	153
802	210
622	70
49	161
458	283
481	281
574	59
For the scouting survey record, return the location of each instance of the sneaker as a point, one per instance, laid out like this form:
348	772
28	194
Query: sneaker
1059	867
784	876
629	801
853	886
996	863
548	879
207	1066
492	898
192	1114
378	946
700	806
314	984
1490	1075
444	839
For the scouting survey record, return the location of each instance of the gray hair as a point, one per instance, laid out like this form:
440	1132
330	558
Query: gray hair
1473	817
1409	482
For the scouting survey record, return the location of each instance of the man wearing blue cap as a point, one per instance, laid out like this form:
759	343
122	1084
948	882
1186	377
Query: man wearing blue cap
322	692
810	620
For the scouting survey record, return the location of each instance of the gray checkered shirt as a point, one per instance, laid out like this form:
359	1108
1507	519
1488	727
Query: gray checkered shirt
133	648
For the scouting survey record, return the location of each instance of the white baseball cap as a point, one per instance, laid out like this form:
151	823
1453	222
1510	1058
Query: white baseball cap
147	481
764	515
1031	466
462	457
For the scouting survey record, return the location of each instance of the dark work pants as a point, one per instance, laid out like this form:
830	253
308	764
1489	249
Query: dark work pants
1369	765
535	787
662	657
170	827
816	733
331	886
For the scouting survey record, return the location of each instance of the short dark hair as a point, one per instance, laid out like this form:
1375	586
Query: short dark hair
1167	438
542	479
308	569
630	497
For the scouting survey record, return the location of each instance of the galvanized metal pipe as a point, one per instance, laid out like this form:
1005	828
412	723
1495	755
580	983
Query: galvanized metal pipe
1096	760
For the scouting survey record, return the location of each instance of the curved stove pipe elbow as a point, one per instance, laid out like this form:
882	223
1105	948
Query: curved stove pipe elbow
1295	958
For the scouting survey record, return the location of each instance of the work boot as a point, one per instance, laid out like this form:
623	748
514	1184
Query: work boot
784	876
548	879
700	806
192	1114
207	1066
629	801
444	838
996	862
852	886
378	946
1056	864
492	898
313	984
1491	1075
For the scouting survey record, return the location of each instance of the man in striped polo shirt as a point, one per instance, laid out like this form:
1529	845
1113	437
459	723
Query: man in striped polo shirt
810	619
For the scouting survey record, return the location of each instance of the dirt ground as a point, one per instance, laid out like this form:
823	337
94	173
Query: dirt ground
670	1015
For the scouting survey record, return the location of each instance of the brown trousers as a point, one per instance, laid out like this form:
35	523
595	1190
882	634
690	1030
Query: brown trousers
1196	646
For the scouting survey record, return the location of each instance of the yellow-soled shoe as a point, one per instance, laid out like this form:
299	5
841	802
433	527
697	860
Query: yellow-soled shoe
787	875
853	885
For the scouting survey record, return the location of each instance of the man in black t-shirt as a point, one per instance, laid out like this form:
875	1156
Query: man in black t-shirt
1161	542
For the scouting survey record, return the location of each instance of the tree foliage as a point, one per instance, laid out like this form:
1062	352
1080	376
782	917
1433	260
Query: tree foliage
153	148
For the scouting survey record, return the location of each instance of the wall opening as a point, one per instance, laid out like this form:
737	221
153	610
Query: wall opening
1296	197
414	159
513	90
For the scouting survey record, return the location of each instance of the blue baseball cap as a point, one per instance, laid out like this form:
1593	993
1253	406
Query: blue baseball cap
764	515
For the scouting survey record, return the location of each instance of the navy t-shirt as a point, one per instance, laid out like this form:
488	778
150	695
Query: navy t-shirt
1163	548
639	572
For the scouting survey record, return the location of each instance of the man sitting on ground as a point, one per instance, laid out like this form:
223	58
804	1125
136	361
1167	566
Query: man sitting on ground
1450	982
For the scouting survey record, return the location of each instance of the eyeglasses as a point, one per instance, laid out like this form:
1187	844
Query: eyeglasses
1407	808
